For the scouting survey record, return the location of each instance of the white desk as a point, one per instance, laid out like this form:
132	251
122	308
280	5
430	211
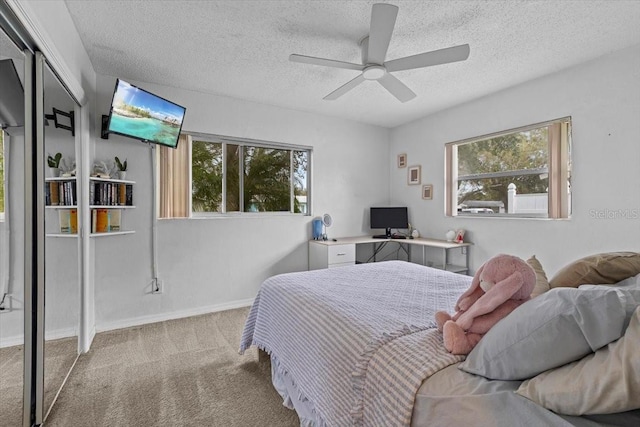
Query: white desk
328	254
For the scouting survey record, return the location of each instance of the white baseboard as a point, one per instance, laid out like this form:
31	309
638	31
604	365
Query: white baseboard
11	341
53	335
87	345
143	320
135	321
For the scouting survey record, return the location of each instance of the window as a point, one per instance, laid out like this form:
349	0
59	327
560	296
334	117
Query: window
235	175
2	175
524	172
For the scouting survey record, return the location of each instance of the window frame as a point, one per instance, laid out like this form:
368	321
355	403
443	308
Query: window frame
559	154
5	187
242	143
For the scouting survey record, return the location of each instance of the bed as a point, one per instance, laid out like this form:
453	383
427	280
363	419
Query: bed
358	346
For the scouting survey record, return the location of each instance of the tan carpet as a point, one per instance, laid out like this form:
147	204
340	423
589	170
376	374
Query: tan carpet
11	373
184	372
59	357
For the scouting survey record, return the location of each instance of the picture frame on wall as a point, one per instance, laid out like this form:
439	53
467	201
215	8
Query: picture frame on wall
402	160
413	175
427	192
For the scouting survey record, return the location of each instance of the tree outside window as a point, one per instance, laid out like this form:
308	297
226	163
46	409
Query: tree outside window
258	178
486	168
206	176
515	173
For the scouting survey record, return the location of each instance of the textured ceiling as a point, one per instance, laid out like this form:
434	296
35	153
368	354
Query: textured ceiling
241	48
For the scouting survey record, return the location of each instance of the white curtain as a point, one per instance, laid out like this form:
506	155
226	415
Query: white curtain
174	181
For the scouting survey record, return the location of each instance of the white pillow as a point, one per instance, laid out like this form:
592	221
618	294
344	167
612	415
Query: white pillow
631	284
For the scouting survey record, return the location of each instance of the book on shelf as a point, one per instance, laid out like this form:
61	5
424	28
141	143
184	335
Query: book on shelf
54	198
65	221
101	224
60	193
110	194
68	220
129	195
114	220
122	194
105	220
73	221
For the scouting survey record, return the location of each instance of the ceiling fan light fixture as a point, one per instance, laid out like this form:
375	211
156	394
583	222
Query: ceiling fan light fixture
373	72
374	65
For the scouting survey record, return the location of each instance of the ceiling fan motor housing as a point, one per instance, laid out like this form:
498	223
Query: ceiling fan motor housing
374	72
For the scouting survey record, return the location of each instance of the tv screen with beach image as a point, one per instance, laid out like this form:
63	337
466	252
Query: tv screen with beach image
139	114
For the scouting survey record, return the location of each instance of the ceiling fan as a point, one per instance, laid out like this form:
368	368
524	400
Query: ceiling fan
374	51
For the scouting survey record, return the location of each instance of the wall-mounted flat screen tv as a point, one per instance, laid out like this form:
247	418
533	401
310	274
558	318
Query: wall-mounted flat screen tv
142	115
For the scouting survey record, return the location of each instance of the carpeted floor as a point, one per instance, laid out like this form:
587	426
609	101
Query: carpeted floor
11	373
184	372
59	357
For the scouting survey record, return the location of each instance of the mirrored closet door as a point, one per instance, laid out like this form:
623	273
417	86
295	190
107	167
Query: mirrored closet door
40	268
61	286
12	291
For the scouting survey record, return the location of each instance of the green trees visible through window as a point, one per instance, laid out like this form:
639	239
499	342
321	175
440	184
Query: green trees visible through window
258	178
486	168
206	177
521	172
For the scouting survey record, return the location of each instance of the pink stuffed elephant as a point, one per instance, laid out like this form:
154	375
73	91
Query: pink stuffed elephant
499	286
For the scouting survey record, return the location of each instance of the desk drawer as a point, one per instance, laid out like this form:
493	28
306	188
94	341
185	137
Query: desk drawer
339	254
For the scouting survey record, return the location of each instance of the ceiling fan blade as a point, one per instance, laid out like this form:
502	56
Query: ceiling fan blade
324	62
427	59
396	88
344	88
383	19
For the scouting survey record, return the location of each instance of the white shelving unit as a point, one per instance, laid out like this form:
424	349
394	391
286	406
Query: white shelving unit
93	207
119	181
112	233
54	219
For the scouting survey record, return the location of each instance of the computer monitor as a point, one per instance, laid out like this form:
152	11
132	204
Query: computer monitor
388	218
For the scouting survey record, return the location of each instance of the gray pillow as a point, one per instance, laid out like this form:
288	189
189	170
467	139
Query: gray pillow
555	328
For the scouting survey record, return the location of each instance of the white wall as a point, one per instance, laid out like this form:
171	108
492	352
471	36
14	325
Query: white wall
61	254
603	99
221	262
12	319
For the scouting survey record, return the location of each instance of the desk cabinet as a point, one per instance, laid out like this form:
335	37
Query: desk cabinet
329	254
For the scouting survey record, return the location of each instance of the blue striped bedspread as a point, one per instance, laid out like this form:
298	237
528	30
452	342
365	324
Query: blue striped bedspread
358	341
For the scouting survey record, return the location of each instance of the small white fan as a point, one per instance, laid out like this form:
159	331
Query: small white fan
326	222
